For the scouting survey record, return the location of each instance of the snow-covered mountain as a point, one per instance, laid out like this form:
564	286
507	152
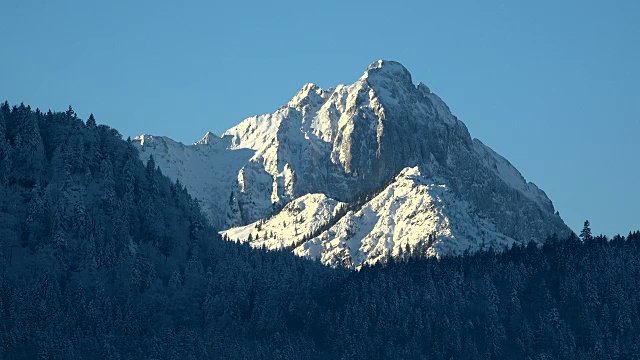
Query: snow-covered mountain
450	192
413	216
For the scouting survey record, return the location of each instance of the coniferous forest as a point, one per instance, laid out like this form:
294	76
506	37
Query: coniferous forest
102	256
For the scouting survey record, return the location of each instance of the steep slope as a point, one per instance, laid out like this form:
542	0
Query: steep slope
413	216
289	227
510	175
349	140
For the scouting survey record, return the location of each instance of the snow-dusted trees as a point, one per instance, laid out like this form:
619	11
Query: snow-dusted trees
105	257
27	155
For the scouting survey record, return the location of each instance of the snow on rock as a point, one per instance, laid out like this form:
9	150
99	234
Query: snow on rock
510	175
288	227
349	140
413	216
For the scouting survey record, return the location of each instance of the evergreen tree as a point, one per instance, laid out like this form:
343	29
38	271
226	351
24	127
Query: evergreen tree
585	234
91	122
27	156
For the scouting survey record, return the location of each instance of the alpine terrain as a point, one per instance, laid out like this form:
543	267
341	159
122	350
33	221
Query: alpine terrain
356	174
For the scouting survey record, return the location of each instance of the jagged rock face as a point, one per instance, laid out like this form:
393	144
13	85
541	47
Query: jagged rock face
348	140
353	137
414	216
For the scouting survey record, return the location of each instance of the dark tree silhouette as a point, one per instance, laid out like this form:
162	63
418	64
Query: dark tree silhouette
585	234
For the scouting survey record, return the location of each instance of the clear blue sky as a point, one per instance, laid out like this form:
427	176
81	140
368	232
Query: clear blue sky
554	86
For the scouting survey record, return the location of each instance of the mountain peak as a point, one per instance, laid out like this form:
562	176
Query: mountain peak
310	93
387	69
208	138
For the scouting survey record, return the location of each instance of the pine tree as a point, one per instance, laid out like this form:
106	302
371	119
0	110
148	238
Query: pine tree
70	113
107	183
585	234
91	122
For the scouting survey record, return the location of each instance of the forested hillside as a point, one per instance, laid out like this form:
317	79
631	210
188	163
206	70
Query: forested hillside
100	255
104	257
569	299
